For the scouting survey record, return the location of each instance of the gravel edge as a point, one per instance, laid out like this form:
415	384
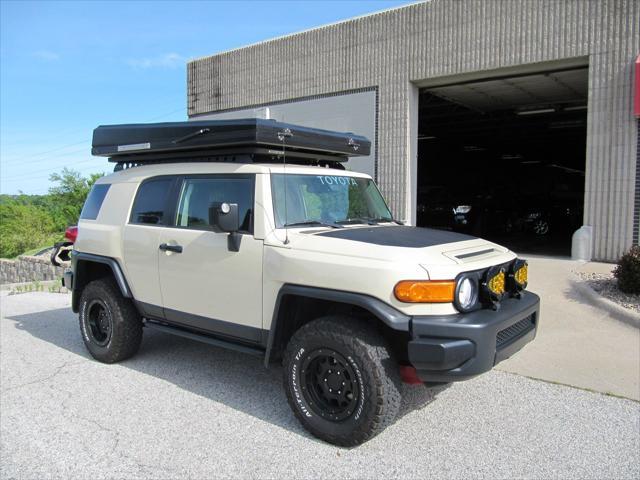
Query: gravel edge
625	315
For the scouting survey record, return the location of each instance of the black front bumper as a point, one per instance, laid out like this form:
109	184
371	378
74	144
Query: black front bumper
456	347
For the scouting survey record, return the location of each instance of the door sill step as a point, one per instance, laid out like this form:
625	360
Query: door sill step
200	337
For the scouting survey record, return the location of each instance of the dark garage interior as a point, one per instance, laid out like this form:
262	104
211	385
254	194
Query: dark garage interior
504	159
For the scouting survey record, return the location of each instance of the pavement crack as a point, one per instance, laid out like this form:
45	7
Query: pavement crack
57	371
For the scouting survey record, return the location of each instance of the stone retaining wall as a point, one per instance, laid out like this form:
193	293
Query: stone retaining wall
28	269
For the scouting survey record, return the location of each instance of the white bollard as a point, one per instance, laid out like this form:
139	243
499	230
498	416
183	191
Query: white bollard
581	243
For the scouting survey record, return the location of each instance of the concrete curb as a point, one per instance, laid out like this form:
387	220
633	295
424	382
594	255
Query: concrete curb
594	298
10	288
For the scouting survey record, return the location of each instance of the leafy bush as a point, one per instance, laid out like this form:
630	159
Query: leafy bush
35	221
24	227
628	271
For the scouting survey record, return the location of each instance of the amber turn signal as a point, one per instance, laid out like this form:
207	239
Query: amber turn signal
425	291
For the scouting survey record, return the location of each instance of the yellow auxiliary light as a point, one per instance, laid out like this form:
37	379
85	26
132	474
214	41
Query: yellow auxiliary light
519	274
496	282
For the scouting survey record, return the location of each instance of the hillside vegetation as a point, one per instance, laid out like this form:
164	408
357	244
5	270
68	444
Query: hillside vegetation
33	221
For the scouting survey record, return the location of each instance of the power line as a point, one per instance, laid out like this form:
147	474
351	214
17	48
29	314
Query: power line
40	160
52	150
23	176
84	141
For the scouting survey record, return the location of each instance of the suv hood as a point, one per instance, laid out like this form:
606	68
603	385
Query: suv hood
399	243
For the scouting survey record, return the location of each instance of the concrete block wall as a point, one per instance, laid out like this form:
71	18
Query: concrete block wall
28	269
397	50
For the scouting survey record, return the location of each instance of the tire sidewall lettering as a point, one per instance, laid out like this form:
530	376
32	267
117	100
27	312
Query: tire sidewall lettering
83	321
295	384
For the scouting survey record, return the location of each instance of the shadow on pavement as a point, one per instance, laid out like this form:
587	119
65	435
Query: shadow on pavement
238	381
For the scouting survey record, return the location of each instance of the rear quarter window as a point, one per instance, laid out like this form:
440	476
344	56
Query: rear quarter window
150	205
94	201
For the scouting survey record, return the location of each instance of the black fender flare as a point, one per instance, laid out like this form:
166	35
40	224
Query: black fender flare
387	314
78	282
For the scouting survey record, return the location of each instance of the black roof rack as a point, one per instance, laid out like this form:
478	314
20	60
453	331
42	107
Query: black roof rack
243	140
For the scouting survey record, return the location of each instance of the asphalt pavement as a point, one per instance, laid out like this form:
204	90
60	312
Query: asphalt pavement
182	409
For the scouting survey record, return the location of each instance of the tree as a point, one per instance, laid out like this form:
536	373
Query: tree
66	199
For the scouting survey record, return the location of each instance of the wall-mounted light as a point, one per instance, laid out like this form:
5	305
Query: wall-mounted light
575	108
536	112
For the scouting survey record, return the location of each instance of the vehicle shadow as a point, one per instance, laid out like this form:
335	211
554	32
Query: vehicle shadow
236	380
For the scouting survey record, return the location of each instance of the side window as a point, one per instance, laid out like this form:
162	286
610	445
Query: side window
94	201
198	194
151	201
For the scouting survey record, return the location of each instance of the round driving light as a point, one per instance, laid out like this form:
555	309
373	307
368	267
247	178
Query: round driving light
466	294
520	273
495	283
225	208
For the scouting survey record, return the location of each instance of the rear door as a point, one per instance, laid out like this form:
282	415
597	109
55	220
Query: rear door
141	237
205	285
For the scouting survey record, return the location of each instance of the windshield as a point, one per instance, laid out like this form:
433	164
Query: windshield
326	199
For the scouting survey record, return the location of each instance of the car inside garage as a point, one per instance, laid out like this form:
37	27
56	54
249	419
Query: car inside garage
504	159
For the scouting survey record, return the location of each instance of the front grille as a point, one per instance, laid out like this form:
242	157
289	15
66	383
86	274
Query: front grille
515	331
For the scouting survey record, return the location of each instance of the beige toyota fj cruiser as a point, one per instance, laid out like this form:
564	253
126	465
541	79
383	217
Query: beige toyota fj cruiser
251	235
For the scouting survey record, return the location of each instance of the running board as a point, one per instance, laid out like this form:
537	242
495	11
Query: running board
199	337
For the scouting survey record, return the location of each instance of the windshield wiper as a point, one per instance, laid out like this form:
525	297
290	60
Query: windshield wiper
369	220
387	220
309	223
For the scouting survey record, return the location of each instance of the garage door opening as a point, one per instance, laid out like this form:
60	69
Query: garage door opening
504	159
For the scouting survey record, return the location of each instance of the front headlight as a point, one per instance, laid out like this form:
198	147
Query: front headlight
462	209
466	295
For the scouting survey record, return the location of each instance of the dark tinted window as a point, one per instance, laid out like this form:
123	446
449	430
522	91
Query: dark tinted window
198	194
94	201
151	201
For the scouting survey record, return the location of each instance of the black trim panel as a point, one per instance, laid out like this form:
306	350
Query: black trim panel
149	310
384	312
115	267
440	337
214	326
398	236
79	283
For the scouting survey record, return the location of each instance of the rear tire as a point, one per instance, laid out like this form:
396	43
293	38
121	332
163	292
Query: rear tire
341	381
111	326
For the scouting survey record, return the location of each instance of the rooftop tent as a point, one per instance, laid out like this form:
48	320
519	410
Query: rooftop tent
250	139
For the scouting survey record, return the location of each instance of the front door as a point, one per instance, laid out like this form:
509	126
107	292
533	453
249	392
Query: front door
205	285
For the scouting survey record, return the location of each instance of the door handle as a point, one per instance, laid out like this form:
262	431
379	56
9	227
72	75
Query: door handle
171	248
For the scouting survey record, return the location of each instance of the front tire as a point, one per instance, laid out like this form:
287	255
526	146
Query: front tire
111	326
341	380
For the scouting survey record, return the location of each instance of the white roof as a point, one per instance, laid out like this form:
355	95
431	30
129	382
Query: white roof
138	174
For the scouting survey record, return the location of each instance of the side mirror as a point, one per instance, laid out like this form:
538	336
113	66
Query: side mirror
224	217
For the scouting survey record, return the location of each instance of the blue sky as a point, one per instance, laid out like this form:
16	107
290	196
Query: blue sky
66	67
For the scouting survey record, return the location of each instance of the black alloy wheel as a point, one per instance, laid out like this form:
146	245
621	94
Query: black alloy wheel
100	323
330	384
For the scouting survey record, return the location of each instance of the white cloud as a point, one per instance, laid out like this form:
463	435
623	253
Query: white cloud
46	55
168	60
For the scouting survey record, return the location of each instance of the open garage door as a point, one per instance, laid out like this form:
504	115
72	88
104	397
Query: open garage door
505	159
